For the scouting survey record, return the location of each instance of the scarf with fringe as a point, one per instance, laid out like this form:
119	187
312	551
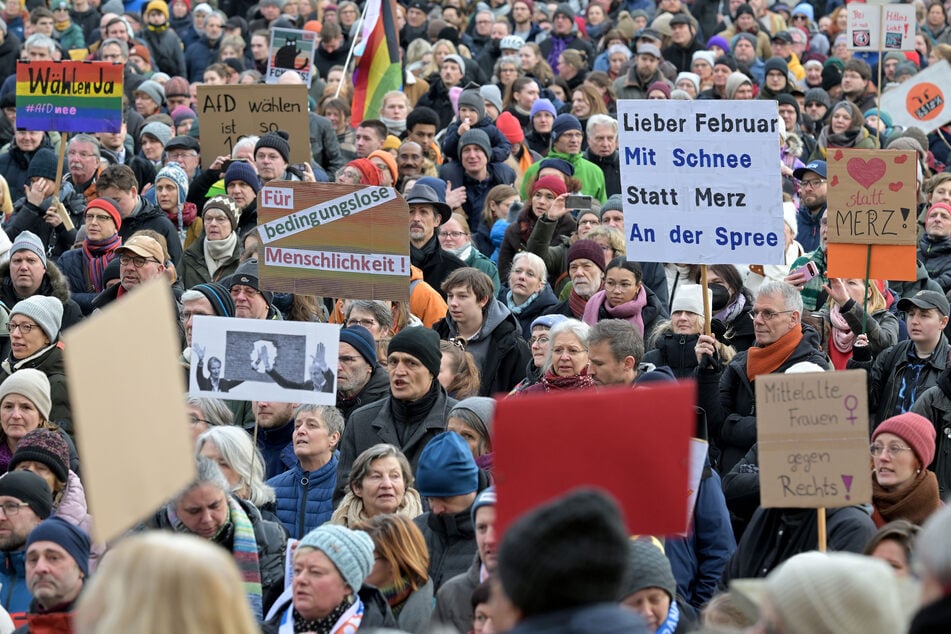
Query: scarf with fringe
97	254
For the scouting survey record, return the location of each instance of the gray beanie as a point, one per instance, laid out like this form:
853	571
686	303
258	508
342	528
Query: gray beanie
31	384
154	90
46	311
482	407
818	94
613	203
492	94
472	98
350	551
29	241
647	567
157	130
476	137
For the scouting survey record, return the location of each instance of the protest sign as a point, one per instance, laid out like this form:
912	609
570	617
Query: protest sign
134	438
887	262
291	50
264	360
872	198
877	27
69	96
921	101
813	439
700	181
640	454
362	233
227	113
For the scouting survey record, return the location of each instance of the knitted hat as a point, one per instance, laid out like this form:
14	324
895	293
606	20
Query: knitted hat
564	554
914	429
153	90
243	171
720	42
369	174
422	343
458	61
158	131
693	77
29	488
472	98
45	446
564	9
831	76
647	567
70	538
140	50
225	205
726	60
29	241
492	94
350	551
478	137
548	321
777	63
46	311
31	384
387	158
361	340
174	173
482	407
157	5
43	165
277	141
486	498
392	142
662	86
218	296
804	8
183	113
446	468
542	105
563	123
510	128
613	203
688	298
706	56
561	165
247	275
943	206
589	250
743	36
109	206
177	87
552	183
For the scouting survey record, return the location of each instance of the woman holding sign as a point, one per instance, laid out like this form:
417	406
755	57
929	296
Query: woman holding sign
902	486
842	321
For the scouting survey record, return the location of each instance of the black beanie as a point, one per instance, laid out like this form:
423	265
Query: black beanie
422	343
567	553
218	296
277	141
42	165
30	489
789	100
831	77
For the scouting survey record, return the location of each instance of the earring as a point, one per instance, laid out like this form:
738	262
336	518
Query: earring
918	471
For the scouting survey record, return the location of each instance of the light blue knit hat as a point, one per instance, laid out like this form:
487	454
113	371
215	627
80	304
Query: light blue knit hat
350	551
176	174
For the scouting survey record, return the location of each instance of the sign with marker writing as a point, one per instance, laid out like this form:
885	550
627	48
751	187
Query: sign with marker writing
921	101
700	181
872	197
228	113
69	96
334	240
813	439
888	27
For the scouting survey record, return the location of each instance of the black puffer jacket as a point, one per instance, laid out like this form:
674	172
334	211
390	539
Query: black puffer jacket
935	255
15	163
935	405
676	352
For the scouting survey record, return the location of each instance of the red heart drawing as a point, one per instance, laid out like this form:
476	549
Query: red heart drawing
895	187
866	173
838	155
901	158
835	180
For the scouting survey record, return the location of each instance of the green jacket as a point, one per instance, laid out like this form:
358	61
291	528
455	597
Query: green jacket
590	175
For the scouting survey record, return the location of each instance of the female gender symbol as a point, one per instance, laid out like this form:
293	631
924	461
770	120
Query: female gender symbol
851	403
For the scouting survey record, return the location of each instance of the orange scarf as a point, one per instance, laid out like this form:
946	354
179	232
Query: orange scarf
768	359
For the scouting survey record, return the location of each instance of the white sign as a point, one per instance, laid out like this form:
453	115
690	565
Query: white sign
888	27
264	360
921	101
700	181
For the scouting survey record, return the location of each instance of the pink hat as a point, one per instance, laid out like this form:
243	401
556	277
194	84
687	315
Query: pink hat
914	429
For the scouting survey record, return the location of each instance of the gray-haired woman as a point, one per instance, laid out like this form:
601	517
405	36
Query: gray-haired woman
381	481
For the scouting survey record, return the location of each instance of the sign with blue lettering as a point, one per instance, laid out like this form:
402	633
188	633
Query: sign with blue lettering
700	181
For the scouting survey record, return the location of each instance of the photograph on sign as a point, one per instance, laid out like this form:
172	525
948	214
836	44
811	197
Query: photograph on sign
921	101
334	240
264	360
872	197
291	50
700	183
890	27
644	466
812	431
69	96
228	113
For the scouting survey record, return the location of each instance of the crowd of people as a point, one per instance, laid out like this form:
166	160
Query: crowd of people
379	512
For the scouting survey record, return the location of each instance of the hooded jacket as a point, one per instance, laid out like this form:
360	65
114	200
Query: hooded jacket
501	147
935	405
590	175
54	284
146	216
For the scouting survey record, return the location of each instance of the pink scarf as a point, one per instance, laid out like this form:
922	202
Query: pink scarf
842	335
630	311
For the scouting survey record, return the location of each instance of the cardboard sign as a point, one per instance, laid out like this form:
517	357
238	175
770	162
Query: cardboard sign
132	429
228	113
69	96
544	447
264	360
921	101
899	263
700	181
334	240
813	439
888	27
291	50
872	196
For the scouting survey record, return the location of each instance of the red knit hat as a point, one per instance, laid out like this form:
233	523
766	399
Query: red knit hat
945	206
552	183
914	429
369	174
109	206
387	158
509	126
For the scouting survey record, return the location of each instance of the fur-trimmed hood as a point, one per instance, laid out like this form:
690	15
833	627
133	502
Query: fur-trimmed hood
54	284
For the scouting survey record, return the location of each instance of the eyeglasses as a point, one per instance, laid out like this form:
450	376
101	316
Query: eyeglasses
768	315
366	323
136	260
178	156
799	17
812	183
238	290
541	339
98	218
194	420
455	235
11	509
892	449
77	153
23	327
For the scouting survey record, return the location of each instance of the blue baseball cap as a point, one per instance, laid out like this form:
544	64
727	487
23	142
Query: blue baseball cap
819	167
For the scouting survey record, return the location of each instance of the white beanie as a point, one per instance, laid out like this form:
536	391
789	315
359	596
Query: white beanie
31	384
689	298
789	216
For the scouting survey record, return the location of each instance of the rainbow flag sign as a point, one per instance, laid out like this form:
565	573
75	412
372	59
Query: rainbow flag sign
69	96
379	70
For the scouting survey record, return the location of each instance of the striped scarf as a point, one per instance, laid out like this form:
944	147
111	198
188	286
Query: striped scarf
97	254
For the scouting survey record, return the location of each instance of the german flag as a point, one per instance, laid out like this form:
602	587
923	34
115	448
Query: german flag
379	70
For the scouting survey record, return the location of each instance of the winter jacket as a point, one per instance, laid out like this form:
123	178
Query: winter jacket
416	610
200	56
604	618
676	352
192	268
304	499
377	388
168	52
548	239
934	618
29	217
501	147
477	260
49	361
610	166
454	598
324	145
16	596
630	86
376	612
476	191
375	423
935	255
498	348
881	327
539	306
73	265
14	164
590	175
935	405
808	224
450	540
277	448
54	284
573	41
146	216
682	56
438	99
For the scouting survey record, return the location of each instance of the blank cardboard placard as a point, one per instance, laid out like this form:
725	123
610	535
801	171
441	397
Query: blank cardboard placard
813	439
125	386
889	262
632	443
872	197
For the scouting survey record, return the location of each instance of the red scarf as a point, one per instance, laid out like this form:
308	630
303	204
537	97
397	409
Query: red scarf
768	359
552	381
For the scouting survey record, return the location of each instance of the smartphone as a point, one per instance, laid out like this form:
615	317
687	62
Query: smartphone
809	269
577	201
301	167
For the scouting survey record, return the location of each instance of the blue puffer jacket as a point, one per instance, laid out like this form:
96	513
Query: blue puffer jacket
16	596
305	500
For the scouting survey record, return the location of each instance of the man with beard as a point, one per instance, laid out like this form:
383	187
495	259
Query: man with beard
855	78
26	500
813	189
816	106
360	378
409	161
426	213
644	73
476	172
744	50
57	566
564	36
586	269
